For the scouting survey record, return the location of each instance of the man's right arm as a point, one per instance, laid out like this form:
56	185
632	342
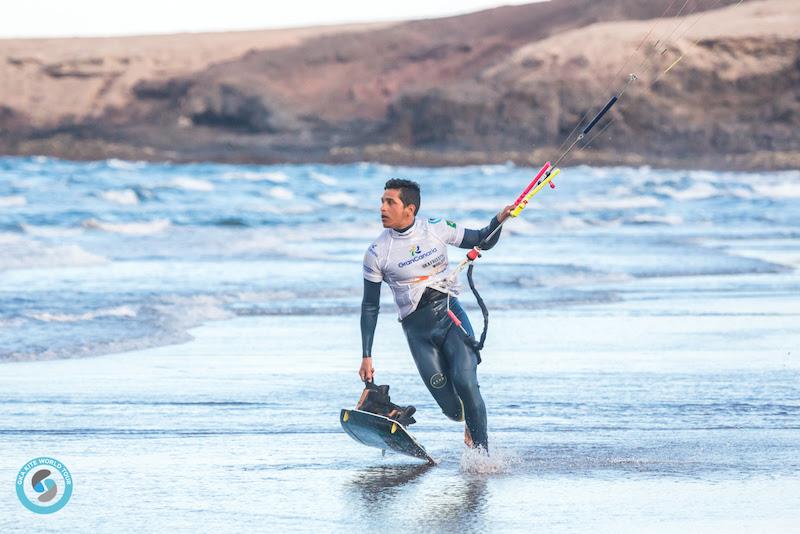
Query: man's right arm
370	307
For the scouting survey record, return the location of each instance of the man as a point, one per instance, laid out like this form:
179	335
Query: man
411	256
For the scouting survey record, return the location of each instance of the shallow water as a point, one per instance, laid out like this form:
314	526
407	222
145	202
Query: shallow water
641	371
239	429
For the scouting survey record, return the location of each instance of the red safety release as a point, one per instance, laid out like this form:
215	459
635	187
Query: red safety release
552	185
473	254
453	317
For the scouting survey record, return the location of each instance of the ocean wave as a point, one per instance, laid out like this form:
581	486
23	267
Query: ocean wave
642	218
277	177
253	244
6	238
131	228
124	165
11	322
600	203
447	204
24	254
491	170
13	201
338	199
125	197
585	278
324	179
698	191
291	209
777	191
50	231
95	348
263	296
367	231
152	323
119	311
186	311
191	184
571	223
281	193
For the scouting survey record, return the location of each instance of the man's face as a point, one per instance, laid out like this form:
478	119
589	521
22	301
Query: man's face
393	213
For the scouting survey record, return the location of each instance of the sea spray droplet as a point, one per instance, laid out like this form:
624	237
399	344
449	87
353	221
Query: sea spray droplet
477	462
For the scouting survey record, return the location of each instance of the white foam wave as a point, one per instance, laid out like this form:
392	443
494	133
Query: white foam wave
13	322
699	191
119	311
23	183
297	209
185	312
597	204
281	193
50	231
125	197
22	254
13	201
527	226
324	179
491	170
338	199
578	279
642	218
366	231
741	192
778	191
191	184
265	296
8	238
277	177
255	243
437	206
570	223
124	165
133	228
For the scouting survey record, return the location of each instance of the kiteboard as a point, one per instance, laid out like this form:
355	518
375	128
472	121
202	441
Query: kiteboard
378	431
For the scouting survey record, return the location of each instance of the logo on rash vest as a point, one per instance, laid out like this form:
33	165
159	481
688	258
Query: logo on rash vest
414	250
438	381
417	256
433	220
451	224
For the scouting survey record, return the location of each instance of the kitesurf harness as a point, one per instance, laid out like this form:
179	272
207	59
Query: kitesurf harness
548	172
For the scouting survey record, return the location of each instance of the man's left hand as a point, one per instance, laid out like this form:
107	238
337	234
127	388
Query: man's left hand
505	212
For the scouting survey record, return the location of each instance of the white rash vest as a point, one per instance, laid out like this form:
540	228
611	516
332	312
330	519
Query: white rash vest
412	260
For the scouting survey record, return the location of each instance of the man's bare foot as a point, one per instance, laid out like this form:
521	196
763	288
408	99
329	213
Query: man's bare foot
468	438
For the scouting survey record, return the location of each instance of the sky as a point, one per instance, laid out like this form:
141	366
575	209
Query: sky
67	18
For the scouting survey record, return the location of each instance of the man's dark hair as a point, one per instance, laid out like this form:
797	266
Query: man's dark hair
409	191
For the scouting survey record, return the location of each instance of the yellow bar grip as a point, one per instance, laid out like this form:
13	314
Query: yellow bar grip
521	206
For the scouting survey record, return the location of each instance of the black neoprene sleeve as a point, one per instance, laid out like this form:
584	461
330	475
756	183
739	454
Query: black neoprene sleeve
370	306
473	237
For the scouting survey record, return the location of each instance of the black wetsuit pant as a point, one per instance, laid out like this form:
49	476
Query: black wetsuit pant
447	363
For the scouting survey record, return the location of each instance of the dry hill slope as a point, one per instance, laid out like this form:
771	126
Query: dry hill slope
488	86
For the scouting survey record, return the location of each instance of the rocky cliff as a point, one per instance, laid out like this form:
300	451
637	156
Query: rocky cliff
509	83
